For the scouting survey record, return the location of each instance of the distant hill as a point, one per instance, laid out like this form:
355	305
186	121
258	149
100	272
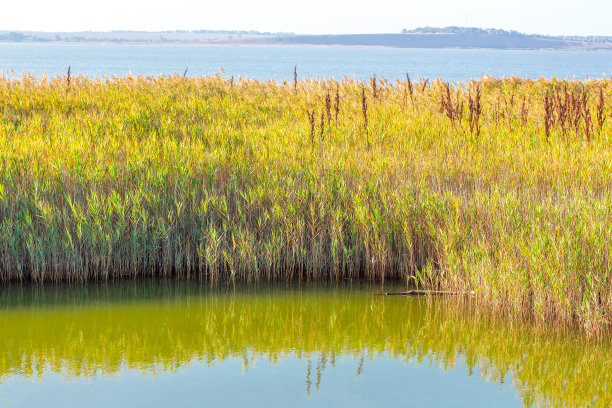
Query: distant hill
495	31
448	37
424	37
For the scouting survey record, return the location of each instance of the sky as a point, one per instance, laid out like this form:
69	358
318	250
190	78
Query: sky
553	17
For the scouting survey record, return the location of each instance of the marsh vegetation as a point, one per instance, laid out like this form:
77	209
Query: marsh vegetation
497	186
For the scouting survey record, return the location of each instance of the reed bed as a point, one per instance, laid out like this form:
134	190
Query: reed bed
497	186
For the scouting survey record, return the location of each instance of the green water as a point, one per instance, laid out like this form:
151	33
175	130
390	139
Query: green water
186	345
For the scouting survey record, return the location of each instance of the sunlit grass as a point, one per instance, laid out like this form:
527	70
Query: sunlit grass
221	179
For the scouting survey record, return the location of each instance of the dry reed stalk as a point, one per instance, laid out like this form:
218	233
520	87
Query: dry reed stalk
364	110
337	104
496	113
68	80
328	107
601	117
446	104
322	126
409	84
185	72
524	112
586	115
442	106
475	109
311	120
425	83
295	79
374	86
576	110
459	108
561	105
548	115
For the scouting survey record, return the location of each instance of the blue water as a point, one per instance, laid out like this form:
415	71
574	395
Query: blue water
283	384
277	62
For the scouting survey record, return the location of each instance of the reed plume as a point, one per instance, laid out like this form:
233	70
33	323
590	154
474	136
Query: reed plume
374	86
337	104
328	107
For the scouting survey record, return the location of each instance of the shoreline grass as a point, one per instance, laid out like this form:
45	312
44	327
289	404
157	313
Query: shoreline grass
497	186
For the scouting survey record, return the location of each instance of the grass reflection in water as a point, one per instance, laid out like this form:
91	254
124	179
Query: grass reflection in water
153	327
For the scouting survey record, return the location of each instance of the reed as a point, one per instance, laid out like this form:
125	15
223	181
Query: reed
364	111
475	110
601	117
374	86
548	115
337	104
410	89
213	179
68	78
328	108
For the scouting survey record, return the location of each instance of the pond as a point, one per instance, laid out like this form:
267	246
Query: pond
158	344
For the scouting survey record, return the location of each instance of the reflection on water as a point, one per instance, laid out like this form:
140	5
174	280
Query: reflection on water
309	344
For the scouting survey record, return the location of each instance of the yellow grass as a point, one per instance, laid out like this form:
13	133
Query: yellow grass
246	180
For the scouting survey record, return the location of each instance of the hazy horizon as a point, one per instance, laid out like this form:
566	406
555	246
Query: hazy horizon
546	17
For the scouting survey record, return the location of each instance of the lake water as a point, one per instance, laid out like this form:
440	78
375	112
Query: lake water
277	62
186	345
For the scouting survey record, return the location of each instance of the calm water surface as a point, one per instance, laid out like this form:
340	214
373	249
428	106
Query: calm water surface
277	62
185	345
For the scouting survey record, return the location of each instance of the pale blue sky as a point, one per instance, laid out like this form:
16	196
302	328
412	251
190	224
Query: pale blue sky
572	17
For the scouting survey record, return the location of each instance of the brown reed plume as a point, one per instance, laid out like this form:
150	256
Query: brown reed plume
562	107
586	115
548	115
68	80
364	110
295	79
524	112
575	110
322	126
409	84
496	113
601	117
425	83
328	107
374	86
459	108
185	72
311	120
446	104
475	109
337	104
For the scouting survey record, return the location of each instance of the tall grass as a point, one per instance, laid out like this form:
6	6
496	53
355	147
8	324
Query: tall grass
500	186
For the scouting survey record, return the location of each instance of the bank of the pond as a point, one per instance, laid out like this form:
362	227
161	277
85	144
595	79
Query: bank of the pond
95	332
500	186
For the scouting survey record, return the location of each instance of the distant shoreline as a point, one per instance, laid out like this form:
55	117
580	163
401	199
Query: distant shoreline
423	38
298	45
